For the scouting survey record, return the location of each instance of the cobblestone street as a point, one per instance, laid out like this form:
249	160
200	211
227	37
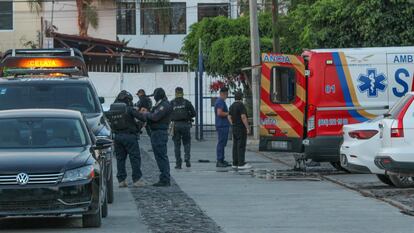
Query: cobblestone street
168	209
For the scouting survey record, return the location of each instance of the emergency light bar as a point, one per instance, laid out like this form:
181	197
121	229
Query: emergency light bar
52	72
43	61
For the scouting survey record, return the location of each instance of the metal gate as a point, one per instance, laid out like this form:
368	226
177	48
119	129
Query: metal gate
204	104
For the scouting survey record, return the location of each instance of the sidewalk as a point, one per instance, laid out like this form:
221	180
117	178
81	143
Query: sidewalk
241	203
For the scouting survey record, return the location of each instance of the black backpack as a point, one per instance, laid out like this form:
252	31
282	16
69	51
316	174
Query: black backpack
118	116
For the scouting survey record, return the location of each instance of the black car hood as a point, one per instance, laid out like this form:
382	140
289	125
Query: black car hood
44	160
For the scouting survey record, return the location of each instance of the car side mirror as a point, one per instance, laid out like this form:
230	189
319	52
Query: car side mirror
102	143
102	100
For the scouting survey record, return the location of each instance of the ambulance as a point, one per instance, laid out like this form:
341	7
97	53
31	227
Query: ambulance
305	100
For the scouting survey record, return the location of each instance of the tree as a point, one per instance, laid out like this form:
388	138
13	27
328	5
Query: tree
308	24
351	23
87	15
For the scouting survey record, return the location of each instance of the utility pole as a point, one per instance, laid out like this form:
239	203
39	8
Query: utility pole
275	32
122	72
255	61
53	10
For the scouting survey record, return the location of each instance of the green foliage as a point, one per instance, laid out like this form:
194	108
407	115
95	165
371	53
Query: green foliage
308	24
91	15
352	23
229	55
214	30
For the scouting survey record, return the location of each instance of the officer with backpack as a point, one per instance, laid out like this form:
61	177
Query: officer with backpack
182	116
126	134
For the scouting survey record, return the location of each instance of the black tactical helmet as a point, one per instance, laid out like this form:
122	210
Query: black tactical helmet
159	94
125	97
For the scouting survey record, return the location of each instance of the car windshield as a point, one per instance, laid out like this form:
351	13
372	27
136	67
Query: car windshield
41	133
48	95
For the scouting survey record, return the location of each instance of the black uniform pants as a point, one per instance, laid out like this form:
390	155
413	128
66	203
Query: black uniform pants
239	145
159	140
127	144
182	134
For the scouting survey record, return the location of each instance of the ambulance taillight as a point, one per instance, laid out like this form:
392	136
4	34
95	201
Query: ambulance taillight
311	121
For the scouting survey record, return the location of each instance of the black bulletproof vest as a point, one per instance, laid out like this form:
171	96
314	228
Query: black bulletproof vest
180	111
120	120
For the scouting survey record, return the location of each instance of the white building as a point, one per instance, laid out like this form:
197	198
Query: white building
164	28
20	27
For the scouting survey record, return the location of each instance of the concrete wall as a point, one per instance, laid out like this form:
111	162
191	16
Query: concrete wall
108	85
65	18
171	43
26	25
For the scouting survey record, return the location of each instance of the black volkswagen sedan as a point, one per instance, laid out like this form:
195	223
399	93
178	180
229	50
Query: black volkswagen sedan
50	165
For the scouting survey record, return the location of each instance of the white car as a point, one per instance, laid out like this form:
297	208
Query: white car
396	154
360	146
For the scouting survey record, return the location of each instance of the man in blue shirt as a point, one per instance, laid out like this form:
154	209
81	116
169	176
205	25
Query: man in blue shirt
222	126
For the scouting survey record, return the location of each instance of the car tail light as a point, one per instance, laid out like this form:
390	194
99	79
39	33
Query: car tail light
397	132
311	121
363	134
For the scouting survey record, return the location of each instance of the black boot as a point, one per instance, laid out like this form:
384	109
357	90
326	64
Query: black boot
162	184
177	165
187	163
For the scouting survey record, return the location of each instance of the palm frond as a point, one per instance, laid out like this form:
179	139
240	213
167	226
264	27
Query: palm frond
91	15
35	5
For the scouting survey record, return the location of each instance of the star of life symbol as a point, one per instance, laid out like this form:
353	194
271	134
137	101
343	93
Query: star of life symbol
372	83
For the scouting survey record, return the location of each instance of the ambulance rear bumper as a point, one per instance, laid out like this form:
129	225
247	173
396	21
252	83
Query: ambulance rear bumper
323	148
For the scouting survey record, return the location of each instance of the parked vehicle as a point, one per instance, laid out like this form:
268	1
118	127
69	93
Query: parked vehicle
305	100
50	165
361	144
54	78
396	154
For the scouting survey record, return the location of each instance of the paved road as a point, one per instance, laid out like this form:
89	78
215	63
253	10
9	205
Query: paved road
240	203
123	218
204	199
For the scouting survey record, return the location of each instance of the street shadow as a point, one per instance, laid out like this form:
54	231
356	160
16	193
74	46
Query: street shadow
39	223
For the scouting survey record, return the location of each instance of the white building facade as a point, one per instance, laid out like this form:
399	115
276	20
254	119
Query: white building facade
149	26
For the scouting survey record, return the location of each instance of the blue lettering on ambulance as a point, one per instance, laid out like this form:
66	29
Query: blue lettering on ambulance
276	58
401	82
403	59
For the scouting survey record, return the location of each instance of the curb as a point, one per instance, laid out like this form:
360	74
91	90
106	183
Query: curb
403	208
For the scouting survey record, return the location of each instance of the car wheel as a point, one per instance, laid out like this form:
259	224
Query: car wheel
105	207
110	187
385	179
92	220
337	166
402	181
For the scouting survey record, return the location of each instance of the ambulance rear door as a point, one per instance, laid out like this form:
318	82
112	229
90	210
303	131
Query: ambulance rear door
283	103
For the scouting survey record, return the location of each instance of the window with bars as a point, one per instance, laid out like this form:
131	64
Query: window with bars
175	68
126	18
212	10
163	18
6	15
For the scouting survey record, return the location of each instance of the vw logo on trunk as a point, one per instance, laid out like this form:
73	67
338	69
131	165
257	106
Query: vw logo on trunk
22	178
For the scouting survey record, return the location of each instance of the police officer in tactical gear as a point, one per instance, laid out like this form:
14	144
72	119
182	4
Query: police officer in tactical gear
126	130
182	116
159	120
144	102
